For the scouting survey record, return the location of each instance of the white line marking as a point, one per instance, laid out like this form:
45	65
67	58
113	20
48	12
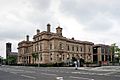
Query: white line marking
16	70
28	76
29	71
49	74
67	72
59	78
110	73
105	74
117	75
13	72
81	78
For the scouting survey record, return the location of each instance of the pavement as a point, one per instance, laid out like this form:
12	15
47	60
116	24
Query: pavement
102	68
59	73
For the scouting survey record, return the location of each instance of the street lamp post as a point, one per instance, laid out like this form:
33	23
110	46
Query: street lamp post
38	60
113	55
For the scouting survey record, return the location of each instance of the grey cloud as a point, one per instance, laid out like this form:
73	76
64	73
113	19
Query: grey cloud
81	10
12	32
10	35
86	11
35	11
41	5
100	24
23	17
17	22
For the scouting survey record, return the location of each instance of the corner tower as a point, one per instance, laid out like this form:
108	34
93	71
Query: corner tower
59	31
8	48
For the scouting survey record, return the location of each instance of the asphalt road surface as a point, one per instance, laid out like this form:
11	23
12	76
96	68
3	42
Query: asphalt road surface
54	73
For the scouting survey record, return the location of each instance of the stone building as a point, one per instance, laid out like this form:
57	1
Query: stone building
25	50
53	48
10	56
102	54
8	49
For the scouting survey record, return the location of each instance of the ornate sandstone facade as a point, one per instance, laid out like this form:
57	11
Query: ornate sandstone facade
53	48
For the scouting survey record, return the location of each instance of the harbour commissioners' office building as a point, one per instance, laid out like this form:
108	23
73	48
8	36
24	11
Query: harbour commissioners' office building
53	48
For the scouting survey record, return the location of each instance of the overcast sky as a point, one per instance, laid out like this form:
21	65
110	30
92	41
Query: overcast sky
97	21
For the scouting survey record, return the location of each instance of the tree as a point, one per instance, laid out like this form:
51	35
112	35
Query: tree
11	59
35	56
114	48
115	51
1	60
117	55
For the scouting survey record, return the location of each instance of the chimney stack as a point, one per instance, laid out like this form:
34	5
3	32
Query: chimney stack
72	38
48	27
38	31
27	37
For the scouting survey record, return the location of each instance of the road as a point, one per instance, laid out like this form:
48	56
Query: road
52	73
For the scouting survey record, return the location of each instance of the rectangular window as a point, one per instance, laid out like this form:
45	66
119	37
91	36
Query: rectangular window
95	50
40	46
72	48
77	48
51	56
102	50
102	57
89	49
50	46
68	47
37	47
63	57
81	49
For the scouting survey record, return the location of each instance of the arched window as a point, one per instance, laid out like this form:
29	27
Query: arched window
60	46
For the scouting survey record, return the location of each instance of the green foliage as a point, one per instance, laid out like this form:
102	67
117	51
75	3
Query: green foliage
35	55
1	59
74	59
11	59
115	50
89	63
